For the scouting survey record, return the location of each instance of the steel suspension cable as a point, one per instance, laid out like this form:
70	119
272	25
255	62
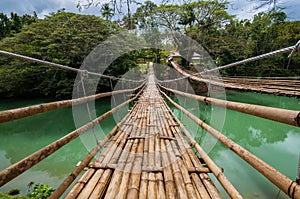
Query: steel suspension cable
64	67
252	59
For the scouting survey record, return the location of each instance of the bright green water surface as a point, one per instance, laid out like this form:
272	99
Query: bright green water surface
275	143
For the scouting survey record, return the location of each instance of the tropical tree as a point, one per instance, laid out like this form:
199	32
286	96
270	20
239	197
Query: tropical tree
144	15
106	11
64	38
14	23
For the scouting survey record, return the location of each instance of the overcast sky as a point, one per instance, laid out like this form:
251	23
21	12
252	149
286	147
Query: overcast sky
240	8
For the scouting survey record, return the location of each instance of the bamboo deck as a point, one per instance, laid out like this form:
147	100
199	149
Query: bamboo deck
149	157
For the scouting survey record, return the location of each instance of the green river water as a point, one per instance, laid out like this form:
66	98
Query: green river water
275	143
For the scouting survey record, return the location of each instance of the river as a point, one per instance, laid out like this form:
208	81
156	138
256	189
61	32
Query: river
275	143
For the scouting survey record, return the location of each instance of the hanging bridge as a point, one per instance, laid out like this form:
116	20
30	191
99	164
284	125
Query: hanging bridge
150	153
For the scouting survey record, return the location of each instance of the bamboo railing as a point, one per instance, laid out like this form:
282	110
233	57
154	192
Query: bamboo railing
234	85
291	188
150	153
85	162
9	115
218	172
290	117
16	169
149	157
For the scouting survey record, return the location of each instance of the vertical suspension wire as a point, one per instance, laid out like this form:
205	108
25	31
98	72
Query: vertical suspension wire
129	85
205	110
83	76
124	97
186	90
114	99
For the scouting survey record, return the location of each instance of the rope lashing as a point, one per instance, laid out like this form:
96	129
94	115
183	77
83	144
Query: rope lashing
296	47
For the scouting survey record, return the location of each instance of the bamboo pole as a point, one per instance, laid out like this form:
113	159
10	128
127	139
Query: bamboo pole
123	187
189	157
79	185
205	188
114	187
171	191
152	184
179	181
16	169
170	128
281	181
158	161
134	182
88	190
144	175
77	188
14	114
67	182
229	188
277	114
102	183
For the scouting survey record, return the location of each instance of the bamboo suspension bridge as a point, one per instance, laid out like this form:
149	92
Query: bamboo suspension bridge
150	153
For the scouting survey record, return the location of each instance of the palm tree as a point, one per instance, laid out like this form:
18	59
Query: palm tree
106	11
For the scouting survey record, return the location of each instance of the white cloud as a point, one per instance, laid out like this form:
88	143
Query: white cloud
241	8
246	9
42	7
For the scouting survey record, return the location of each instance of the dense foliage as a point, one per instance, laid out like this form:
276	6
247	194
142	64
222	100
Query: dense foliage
14	23
63	38
226	38
67	38
35	190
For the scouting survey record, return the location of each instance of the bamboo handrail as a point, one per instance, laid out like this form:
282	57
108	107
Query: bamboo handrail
290	117
177	68
281	181
18	113
231	85
16	169
84	163
229	188
86	160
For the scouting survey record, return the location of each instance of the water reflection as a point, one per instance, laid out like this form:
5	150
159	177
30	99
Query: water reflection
22	137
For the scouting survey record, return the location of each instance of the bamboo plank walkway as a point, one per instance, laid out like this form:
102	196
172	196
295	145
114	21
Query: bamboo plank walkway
150	153
148	157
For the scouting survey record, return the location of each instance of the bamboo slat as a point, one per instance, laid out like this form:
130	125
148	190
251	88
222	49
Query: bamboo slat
281	181
16	169
147	157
